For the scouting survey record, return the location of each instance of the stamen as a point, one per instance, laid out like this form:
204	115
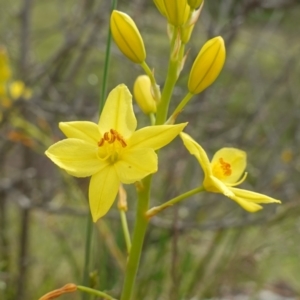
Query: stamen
226	167
101	142
111	136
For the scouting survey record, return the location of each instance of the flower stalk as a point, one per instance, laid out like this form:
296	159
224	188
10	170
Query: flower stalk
143	192
155	210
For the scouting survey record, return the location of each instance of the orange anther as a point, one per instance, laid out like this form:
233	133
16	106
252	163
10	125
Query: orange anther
226	167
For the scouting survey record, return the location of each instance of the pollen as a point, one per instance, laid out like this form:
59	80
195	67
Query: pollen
111	137
226	167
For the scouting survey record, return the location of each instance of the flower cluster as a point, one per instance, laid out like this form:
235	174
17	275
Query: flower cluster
114	152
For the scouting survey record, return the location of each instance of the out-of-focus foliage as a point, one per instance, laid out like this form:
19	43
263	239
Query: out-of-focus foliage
207	246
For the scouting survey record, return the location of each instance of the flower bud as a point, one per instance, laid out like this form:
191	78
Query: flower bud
127	37
160	4
194	4
187	29
176	11
143	96
207	65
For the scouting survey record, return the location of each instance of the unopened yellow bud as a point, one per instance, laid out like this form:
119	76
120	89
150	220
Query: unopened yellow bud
5	71
187	29
143	96
160	4
194	4
207	65
176	11
127	37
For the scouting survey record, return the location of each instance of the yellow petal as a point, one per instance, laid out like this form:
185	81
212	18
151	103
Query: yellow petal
103	190
77	157
118	112
253	197
213	184
195	149
155	137
247	205
207	65
83	130
127	37
136	164
143	96
237	159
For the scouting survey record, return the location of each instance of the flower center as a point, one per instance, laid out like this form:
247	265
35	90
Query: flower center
221	169
111	145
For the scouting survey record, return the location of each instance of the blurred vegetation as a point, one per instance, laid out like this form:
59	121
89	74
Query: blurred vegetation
206	247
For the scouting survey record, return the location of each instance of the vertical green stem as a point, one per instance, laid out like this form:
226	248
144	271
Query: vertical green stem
163	106
138	238
106	63
172	75
88	241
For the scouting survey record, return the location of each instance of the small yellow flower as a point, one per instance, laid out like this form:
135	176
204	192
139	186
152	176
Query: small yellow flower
176	11
112	152
143	96
207	65
127	37
224	172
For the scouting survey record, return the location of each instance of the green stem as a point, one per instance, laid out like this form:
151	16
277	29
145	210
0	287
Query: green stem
106	63
152	119
154	210
125	230
138	237
179	108
94	292
88	241
172	75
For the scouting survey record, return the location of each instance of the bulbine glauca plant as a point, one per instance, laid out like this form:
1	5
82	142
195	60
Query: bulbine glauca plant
114	153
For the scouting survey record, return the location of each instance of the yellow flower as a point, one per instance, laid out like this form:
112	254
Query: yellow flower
224	172
143	96
176	11
112	152
207	65
127	37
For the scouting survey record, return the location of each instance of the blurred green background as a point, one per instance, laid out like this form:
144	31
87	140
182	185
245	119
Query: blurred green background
207	247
